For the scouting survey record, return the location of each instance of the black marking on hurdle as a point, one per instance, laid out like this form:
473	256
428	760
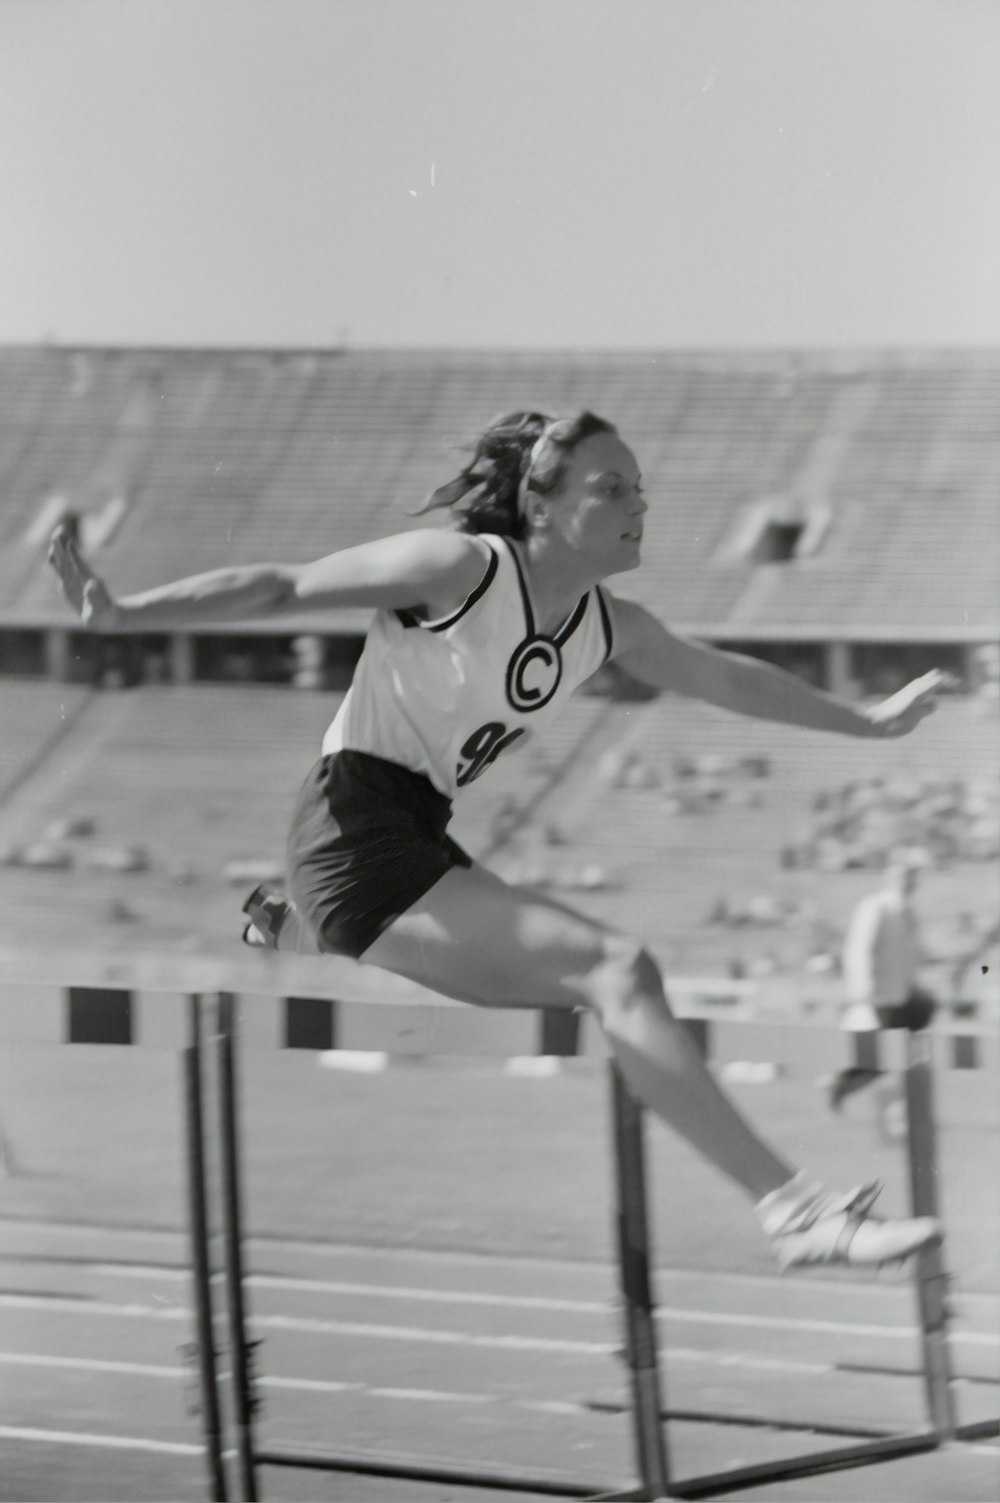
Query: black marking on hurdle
865	1048
559	1032
964	1051
310	1023
194	1123
98	1015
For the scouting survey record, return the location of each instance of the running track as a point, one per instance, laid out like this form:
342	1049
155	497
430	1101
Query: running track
407	1303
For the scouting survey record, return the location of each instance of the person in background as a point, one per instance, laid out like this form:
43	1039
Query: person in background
882	956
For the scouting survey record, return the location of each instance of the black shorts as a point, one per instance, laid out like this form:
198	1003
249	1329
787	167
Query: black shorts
368	838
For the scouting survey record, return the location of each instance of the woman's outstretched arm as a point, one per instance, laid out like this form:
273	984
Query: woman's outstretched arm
647	651
427	567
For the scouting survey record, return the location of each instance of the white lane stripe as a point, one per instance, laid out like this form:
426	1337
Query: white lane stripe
289	1323
91	1364
299	1385
433	1338
329	1385
458	1338
435	1395
382	1291
68	1306
312	1385
102	1442
441	1257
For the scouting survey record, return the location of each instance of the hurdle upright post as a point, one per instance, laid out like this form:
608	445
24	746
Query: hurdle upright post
639	1310
194	1123
930	1275
232	1238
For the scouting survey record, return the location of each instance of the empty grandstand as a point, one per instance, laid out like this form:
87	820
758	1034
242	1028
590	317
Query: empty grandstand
818	506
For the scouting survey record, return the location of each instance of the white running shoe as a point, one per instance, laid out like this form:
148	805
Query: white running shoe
809	1224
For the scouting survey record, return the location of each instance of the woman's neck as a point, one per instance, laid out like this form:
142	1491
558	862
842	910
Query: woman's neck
557	577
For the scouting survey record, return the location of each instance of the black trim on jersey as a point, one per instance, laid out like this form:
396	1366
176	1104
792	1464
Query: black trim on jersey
470	600
409	618
605	621
571	623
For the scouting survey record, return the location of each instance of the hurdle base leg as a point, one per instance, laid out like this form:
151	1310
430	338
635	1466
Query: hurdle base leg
444	1472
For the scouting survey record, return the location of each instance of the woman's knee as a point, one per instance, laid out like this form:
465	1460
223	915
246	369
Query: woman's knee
626	972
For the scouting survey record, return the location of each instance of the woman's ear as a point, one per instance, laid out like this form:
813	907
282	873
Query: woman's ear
536	511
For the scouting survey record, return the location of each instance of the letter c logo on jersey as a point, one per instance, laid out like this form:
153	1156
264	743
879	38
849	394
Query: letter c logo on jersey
533	674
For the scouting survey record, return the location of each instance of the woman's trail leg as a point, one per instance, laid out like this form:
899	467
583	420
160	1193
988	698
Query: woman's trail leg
475	938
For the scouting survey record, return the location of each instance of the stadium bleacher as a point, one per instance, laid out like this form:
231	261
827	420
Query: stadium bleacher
231	457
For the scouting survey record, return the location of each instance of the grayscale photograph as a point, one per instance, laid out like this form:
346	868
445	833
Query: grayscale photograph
500	751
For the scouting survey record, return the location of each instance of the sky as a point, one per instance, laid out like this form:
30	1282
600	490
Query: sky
556	174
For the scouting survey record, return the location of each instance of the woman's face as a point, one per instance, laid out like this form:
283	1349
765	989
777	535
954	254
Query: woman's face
598	505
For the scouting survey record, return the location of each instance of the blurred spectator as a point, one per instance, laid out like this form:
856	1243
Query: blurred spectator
882	954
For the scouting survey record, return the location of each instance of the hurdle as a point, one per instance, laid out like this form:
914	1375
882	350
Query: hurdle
211	1113
642	1347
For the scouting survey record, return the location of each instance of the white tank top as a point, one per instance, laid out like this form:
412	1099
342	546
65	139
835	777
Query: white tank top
445	698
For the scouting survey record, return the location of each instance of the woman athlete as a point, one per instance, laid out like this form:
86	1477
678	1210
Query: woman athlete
481	630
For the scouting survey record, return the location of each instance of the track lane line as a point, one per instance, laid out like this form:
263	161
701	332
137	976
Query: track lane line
83	1305
100	1442
440	1256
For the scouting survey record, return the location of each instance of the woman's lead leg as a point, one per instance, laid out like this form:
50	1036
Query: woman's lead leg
474	937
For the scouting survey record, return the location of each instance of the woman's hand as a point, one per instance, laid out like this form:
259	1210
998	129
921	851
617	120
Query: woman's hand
904	710
85	591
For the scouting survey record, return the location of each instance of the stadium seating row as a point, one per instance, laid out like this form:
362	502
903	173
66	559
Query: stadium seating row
186	460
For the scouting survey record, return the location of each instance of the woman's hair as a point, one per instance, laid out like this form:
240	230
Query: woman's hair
518	452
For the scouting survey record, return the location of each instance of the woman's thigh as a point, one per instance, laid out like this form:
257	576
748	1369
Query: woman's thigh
475	937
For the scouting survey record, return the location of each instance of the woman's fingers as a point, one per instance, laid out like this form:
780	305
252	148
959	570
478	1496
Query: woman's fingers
66	561
905	709
84	590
